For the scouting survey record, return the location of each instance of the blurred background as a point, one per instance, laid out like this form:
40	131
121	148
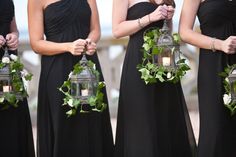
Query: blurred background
111	54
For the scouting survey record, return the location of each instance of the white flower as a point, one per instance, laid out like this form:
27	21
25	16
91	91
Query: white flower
226	79
13	57
227	99
70	102
6	60
70	74
168	75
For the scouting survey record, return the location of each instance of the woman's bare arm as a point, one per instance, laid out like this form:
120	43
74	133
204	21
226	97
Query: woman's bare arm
187	19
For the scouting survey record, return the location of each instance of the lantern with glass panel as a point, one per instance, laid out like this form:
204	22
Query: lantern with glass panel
83	84
169	51
5	75
232	82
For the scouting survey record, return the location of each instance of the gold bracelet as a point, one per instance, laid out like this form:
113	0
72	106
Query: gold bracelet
139	23
213	45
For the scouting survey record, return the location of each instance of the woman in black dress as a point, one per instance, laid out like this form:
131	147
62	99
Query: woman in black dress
152	119
16	138
68	26
218	46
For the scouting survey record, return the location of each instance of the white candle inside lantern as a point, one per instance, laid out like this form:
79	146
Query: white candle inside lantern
84	92
166	61
6	88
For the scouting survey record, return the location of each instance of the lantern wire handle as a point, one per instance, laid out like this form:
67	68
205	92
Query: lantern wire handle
165	28
6	54
84	60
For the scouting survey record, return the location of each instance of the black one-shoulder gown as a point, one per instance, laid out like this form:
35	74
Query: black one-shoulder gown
16	139
82	135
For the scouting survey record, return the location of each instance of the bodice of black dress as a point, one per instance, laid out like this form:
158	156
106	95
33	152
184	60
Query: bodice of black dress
218	15
6	15
66	16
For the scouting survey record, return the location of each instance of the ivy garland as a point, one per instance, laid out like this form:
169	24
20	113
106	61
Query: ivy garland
228	102
150	72
95	102
17	73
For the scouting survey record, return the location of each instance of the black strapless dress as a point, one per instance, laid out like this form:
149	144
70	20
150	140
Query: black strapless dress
217	128
153	120
83	135
16	138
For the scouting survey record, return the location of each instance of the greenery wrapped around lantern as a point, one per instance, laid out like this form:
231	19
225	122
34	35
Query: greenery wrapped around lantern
82	89
229	97
12	74
161	56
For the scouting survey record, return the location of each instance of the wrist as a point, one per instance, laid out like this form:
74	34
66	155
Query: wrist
67	47
218	44
140	24
212	46
144	21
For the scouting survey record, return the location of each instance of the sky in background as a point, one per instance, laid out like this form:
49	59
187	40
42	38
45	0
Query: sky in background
105	13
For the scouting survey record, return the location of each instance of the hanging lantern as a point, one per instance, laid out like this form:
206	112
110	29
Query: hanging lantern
167	56
232	82
5	77
83	84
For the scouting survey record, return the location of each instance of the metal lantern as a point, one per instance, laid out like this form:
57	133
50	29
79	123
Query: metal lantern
167	57
83	84
5	77
232	81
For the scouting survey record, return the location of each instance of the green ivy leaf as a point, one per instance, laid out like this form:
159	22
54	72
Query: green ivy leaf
176	38
28	77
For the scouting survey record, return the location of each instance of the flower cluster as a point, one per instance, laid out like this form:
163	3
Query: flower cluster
17	75
227	97
151	72
95	101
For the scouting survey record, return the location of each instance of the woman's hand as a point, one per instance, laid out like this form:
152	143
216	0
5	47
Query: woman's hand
2	41
91	47
77	47
229	45
170	12
160	13
12	41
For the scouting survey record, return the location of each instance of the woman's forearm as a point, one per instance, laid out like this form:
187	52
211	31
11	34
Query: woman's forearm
130	27
49	48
